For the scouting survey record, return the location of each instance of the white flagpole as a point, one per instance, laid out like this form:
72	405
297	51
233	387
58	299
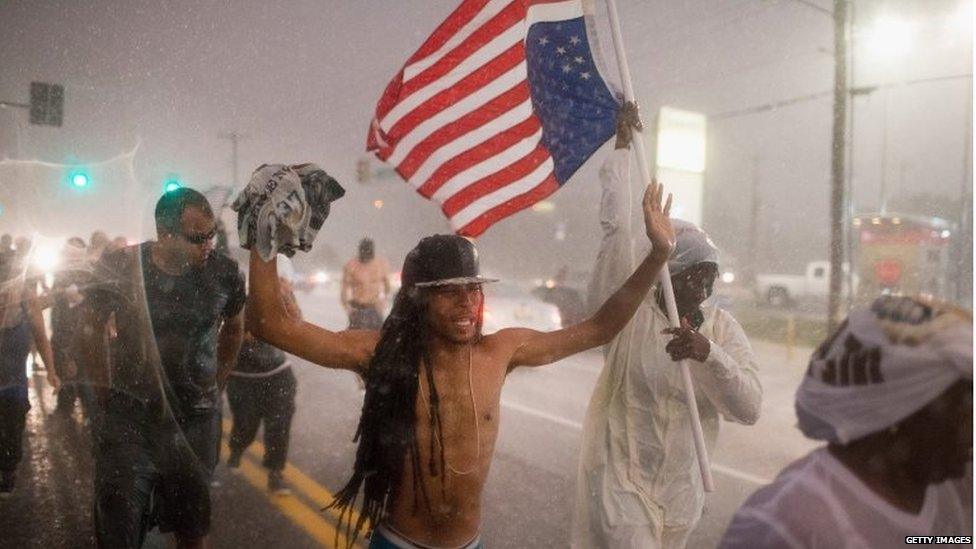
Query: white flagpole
665	276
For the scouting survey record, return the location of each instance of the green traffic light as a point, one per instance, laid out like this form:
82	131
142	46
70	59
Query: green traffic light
80	179
171	182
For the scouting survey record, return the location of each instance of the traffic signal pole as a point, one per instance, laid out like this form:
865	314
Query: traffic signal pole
234	138
837	159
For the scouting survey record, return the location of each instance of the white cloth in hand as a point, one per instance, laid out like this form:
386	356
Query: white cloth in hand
283	207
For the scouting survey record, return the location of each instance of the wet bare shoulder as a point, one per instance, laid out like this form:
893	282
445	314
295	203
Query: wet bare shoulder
504	342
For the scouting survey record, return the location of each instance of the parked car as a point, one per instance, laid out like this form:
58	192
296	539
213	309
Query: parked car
780	290
317	279
507	305
569	301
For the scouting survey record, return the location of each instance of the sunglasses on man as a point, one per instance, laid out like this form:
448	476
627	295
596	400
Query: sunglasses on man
199	239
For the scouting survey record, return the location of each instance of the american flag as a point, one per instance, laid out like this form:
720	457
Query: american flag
497	109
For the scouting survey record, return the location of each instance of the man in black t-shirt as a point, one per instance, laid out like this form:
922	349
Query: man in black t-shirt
262	389
177	310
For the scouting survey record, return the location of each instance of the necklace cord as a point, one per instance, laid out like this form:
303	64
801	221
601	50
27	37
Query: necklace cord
474	409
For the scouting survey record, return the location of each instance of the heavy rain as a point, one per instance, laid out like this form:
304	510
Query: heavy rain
445	273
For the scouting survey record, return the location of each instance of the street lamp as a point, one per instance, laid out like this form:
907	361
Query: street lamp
889	37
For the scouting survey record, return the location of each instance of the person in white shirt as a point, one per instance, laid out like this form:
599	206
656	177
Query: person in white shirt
891	393
639	485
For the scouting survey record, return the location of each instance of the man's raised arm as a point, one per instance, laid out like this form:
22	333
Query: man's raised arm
267	319
532	348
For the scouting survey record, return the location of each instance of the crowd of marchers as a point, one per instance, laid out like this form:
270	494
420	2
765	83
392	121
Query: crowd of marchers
150	336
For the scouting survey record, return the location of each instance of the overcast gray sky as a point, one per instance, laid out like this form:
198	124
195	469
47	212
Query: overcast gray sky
300	80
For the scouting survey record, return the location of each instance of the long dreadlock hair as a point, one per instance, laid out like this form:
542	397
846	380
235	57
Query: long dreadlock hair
386	433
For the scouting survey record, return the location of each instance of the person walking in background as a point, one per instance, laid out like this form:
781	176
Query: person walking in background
262	389
67	297
116	244
21	322
97	243
365	290
365	287
6	247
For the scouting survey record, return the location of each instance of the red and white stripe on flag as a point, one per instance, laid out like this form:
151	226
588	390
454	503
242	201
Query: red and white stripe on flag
457	121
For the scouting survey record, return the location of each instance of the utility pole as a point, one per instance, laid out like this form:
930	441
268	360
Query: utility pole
752	252
883	192
849	189
234	138
837	155
964	234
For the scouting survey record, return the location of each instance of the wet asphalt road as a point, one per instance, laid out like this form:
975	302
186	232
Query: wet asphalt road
528	497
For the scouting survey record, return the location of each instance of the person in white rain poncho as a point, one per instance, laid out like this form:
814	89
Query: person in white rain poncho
639	485
891	393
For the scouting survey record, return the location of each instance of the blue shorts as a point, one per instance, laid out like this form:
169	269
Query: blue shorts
385	537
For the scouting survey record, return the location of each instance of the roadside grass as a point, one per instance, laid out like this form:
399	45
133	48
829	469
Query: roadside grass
773	325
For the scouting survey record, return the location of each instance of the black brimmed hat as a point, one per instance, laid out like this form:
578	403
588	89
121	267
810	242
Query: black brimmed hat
441	260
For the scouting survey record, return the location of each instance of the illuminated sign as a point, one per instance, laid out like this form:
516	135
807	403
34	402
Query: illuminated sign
681	140
681	160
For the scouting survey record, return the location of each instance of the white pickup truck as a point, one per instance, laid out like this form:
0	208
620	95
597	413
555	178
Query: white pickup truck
781	289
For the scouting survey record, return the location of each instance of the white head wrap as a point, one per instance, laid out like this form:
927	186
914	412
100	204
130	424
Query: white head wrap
692	246
883	365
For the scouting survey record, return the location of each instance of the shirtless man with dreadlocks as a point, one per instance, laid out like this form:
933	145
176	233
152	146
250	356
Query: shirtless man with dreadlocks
430	417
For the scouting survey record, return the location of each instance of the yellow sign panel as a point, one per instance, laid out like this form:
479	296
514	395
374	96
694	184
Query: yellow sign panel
681	140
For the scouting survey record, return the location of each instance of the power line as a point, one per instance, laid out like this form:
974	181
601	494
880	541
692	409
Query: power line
769	106
860	90
234	137
816	7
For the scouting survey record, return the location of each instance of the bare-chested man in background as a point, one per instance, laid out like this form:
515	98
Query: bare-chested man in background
365	288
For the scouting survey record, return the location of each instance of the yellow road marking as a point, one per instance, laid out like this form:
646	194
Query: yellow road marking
314	491
297	512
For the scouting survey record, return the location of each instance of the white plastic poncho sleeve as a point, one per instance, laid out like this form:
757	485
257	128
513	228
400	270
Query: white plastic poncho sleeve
730	375
615	260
